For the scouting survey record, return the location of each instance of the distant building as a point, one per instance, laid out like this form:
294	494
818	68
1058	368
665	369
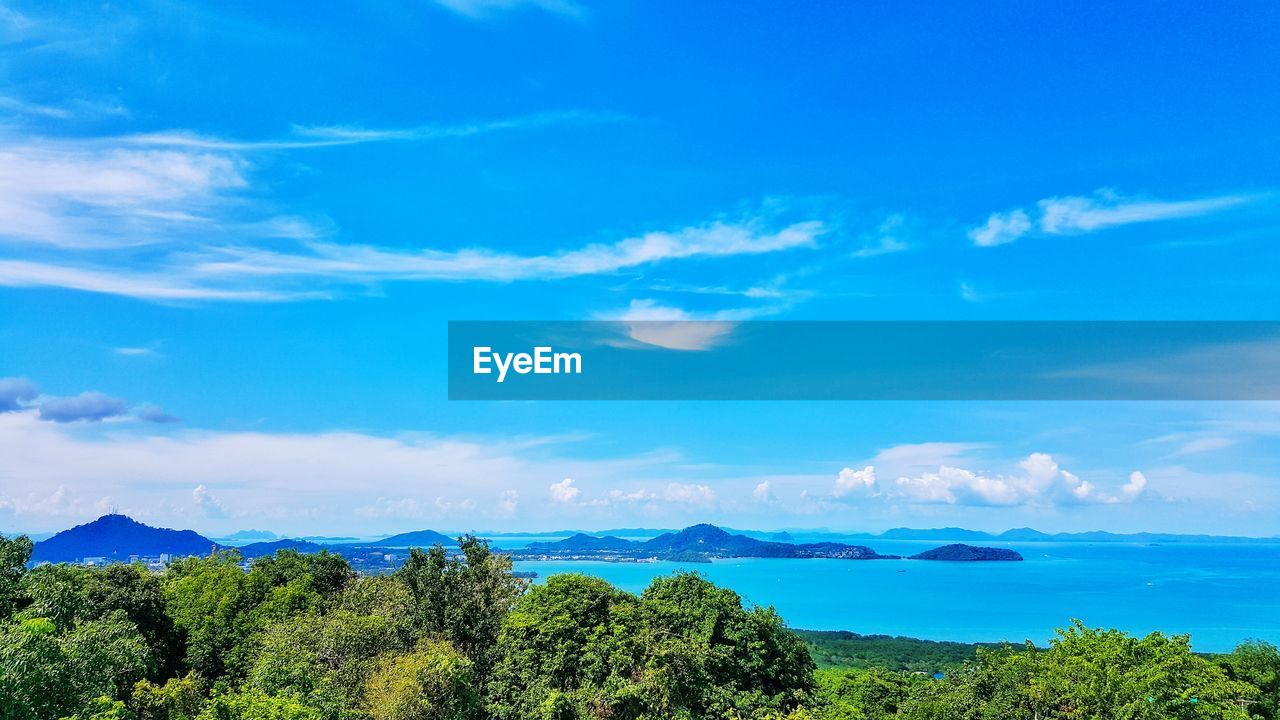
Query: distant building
96	560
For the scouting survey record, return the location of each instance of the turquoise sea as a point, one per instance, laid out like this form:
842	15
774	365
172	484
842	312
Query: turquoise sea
1220	594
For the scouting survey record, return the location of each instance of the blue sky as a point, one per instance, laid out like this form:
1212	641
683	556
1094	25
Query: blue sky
241	230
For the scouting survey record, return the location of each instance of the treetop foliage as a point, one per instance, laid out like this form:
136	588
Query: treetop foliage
454	636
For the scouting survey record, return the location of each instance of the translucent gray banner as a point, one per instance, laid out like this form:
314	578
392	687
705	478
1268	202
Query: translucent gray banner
660	360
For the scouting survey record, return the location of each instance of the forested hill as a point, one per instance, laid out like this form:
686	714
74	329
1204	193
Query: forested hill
968	553
699	542
417	538
116	537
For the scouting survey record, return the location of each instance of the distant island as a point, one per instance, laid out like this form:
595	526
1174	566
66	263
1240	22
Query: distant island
118	538
697	543
703	543
968	553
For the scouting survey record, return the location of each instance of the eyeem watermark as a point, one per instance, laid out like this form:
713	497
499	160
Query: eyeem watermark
543	361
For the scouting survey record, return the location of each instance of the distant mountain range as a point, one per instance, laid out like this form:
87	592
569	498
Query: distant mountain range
241	535
706	542
1030	535
116	537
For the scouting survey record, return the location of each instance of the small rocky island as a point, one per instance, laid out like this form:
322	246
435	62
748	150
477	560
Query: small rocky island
703	543
960	552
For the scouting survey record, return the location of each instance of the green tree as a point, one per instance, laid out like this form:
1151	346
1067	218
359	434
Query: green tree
719	659
208	600
15	553
46	673
569	647
434	682
256	705
579	648
1258	663
104	708
462	598
844	694
384	596
324	658
69	595
1085	674
177	699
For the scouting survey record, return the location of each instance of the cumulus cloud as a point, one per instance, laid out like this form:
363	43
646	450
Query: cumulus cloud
208	505
692	494
1136	486
564	491
851	482
1074	215
508	502
87	406
763	493
1039	480
15	393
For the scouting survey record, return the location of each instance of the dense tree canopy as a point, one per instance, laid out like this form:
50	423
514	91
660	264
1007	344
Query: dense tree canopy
454	636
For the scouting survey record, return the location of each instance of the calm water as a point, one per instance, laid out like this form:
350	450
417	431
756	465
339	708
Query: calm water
1218	593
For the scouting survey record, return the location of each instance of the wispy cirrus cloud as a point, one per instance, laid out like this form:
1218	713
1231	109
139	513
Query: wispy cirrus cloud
489	9
304	137
1078	214
173	216
364	262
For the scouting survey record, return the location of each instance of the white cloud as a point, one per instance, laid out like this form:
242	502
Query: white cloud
173	216
564	491
688	494
207	504
136	352
508	502
344	477
80	194
363	262
1204	444
1077	214
650	323
1074	214
851	482
1001	228
1039	481
162	286
889	237
691	494
763	493
22	107
1136	486
486	9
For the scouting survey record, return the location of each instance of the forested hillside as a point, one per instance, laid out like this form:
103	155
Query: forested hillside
456	637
